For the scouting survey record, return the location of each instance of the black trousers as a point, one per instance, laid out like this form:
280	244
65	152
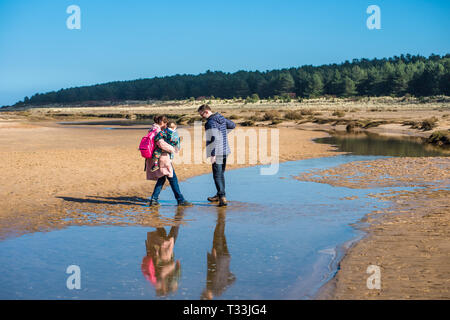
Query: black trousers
218	169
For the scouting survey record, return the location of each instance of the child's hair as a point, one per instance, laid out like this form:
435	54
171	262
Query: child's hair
160	119
172	124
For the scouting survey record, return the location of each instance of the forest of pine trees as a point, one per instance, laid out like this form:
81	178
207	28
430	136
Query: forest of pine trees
396	76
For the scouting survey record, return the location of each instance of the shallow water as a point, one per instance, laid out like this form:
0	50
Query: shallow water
277	239
373	144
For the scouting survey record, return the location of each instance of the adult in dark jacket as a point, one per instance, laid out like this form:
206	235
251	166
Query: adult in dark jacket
217	148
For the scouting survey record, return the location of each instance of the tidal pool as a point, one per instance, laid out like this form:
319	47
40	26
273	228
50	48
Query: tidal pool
279	238
367	143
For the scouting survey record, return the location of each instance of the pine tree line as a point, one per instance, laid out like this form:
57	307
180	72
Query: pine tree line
396	76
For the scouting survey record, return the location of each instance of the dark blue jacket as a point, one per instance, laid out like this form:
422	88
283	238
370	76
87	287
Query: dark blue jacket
214	126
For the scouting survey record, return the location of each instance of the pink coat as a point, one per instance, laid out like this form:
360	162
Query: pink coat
165	163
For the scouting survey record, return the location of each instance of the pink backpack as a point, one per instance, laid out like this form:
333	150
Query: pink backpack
147	145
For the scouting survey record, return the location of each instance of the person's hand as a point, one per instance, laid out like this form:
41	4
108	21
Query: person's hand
213	159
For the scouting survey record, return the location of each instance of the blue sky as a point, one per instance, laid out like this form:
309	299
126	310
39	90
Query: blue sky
125	40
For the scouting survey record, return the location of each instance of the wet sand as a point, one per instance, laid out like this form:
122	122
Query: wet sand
53	174
409	241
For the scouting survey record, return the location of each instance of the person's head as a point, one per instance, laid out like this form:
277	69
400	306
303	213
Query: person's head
167	278
161	121
164	276
172	125
204	111
207	294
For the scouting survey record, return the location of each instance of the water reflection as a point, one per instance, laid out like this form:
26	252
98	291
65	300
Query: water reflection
159	266
188	252
368	143
218	277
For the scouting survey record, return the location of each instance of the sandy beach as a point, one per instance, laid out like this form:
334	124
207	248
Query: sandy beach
50	173
53	174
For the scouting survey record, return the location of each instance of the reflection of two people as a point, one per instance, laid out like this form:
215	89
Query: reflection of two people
159	266
218	277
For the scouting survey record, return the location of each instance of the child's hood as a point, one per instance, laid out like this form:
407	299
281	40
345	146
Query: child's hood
155	127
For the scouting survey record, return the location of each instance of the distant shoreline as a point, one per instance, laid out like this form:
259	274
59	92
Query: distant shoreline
384	115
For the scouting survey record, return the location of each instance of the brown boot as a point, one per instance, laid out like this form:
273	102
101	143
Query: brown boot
222	202
213	199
